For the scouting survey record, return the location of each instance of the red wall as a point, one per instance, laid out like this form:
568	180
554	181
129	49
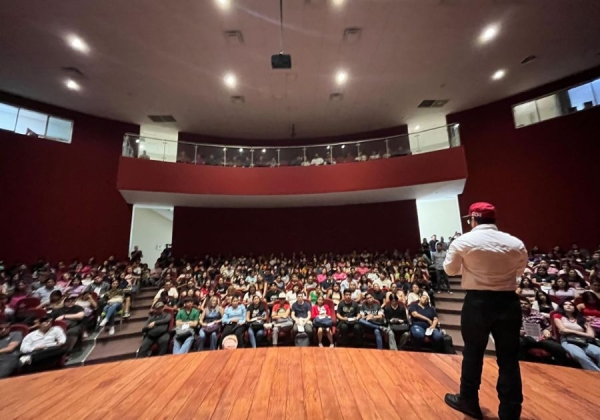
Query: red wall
197	231
60	200
146	175
542	178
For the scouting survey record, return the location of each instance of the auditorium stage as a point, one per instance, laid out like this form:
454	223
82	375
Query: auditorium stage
287	383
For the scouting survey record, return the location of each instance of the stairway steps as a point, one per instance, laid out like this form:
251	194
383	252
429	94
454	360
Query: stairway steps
110	351
127	330
448	306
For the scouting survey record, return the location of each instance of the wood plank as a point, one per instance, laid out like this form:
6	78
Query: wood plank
343	390
261	395
230	393
327	388
224	379
242	404
313	404
294	408
279	387
215	363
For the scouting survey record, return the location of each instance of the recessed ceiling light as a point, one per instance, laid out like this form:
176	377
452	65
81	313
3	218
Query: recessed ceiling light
498	75
341	77
78	44
241	150
343	145
264	150
489	33
224	4
230	80
224	149
338	2
72	84
417	127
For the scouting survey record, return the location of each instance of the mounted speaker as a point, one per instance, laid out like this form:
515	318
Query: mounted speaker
281	61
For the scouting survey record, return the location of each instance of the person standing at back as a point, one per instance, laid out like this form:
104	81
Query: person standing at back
490	262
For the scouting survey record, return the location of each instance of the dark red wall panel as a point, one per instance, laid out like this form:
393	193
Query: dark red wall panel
197	231
542	178
60	200
145	175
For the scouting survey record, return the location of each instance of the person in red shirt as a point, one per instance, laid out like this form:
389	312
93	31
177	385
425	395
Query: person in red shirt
322	320
280	315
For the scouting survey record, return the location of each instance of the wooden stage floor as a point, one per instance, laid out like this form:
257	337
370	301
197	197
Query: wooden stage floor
287	383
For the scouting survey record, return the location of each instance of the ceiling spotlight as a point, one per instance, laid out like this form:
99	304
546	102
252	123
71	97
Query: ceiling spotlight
137	140
498	75
338	2
72	84
78	44
241	150
230	80
328	147
343	145
488	34
264	150
224	149
224	4
341	77
417	127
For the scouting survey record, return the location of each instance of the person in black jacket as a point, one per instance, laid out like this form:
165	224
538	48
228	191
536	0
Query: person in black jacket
397	319
156	331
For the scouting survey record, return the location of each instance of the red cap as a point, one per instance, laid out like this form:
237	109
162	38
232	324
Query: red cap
485	210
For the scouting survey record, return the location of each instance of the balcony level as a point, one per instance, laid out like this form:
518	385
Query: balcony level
220	176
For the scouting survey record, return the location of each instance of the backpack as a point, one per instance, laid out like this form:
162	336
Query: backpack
302	340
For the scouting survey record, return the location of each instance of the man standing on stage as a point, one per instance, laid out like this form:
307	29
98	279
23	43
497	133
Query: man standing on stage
490	262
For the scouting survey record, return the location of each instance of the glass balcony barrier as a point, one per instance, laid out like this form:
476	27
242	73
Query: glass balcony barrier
136	146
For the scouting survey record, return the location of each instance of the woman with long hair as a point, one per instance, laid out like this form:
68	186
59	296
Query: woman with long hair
575	335
335	294
562	290
210	323
525	288
543	304
322	320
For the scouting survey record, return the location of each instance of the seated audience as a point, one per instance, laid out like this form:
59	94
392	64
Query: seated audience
301	315
562	290
415	294
210	323
543	304
9	349
113	304
335	294
186	322
43	348
348	315
322	320
168	295
542	276
234	320
397	319
425	323
371	319
43	293
525	289
378	294
534	322
73	316
156	331
576	335
280	317
256	317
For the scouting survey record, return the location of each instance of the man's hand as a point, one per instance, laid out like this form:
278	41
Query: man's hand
60	318
369	317
547	334
151	325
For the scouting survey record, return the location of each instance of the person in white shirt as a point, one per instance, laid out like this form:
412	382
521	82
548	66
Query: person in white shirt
44	346
490	262
317	160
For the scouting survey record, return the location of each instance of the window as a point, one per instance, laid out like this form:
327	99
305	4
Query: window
32	123
563	102
8	117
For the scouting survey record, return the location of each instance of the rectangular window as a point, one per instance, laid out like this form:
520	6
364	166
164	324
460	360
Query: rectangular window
31	123
562	102
59	129
37	124
8	117
526	114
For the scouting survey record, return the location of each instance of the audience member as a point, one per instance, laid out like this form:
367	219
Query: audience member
73	316
322	320
280	315
234	320
425	323
348	315
186	322
9	349
156	331
44	347
256	317
210	322
301	315
113	304
396	316
576	336
438	257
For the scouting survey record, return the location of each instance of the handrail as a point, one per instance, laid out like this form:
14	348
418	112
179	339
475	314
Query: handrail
239	146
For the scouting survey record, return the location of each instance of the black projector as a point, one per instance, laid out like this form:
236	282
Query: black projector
281	61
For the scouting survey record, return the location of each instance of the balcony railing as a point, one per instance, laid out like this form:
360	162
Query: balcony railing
438	138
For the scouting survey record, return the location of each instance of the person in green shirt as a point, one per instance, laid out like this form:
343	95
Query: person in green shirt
185	324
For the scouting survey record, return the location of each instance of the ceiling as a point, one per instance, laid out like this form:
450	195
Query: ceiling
423	191
158	57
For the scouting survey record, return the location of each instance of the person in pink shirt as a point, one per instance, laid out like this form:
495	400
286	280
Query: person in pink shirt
322	320
321	277
339	275
362	269
64	281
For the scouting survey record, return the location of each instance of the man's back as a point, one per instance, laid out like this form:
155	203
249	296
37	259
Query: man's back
490	259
